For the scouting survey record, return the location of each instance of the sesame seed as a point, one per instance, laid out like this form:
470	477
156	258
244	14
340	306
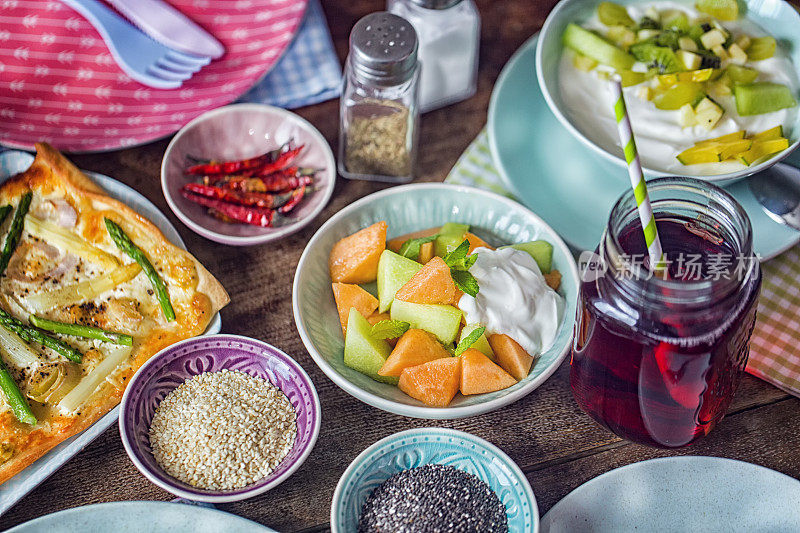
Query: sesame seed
222	430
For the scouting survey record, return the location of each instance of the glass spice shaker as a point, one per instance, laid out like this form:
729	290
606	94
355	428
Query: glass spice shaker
449	38
378	112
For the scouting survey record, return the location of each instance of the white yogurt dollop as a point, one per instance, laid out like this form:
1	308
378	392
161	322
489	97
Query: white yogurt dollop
513	299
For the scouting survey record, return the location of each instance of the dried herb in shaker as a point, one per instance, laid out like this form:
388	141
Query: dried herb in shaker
378	106
377	141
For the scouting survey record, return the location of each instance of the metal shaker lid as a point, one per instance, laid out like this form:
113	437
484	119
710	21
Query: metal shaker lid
436	4
383	48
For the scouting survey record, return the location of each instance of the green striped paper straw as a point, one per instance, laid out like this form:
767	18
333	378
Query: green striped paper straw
637	177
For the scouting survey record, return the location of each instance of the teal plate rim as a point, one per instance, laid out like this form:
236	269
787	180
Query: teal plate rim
461	442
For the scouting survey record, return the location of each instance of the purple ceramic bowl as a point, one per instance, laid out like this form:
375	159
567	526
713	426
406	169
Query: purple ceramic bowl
173	365
237	132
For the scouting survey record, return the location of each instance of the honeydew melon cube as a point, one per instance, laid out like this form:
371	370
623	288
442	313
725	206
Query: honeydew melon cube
450	236
442	321
394	271
364	353
482	344
541	251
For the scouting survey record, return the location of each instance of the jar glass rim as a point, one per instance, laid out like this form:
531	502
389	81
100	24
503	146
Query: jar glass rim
704	198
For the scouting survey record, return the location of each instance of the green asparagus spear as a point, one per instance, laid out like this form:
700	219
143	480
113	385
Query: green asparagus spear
17	402
79	330
125	244
31	334
4	211
15	230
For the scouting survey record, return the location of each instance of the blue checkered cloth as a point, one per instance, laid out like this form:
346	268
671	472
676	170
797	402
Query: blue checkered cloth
309	71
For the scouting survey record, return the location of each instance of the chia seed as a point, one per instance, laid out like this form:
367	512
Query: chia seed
433	499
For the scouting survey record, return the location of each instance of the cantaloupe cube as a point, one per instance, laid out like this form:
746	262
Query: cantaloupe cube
395	244
480	375
354	259
434	383
553	279
347	296
433	284
379	317
414	348
426	252
511	356
475	242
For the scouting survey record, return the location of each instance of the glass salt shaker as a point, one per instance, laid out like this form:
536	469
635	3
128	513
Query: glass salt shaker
378	112
449	38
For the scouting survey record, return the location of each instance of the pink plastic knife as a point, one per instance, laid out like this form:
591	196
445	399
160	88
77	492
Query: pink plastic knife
169	26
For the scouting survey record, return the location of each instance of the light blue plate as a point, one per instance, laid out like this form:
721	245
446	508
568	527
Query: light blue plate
565	183
13	162
708	494
418	447
408	208
135	517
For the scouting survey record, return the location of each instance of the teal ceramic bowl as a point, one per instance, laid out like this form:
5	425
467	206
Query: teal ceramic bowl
405	209
418	447
775	17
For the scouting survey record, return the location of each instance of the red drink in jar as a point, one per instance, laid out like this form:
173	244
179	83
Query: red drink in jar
657	358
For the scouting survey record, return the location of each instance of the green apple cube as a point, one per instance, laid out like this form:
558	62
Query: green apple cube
440	320
450	236
394	271
482	344
541	251
363	352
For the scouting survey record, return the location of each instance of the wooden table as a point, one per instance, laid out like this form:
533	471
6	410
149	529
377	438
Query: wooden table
556	445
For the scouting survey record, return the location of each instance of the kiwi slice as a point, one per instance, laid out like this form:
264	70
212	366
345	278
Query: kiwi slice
680	94
762	97
761	48
709	59
648	23
592	45
721	9
661	58
679	23
612	14
741	75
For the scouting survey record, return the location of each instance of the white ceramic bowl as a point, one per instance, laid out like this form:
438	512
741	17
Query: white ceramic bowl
237	132
405	209
775	16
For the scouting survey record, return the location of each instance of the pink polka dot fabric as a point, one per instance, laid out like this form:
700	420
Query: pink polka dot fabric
59	83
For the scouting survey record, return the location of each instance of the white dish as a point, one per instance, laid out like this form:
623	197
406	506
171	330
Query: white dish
708	494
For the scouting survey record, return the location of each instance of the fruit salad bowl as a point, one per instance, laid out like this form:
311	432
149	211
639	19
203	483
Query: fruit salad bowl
406	209
592	123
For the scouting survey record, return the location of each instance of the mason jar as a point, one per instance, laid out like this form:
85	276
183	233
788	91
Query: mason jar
657	356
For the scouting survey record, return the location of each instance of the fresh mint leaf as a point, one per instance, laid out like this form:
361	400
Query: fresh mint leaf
389	329
468	341
465	281
469	261
410	248
456	258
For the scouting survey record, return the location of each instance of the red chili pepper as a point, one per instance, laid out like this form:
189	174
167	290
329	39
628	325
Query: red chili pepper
280	162
231	167
256	216
270	184
296	197
251	199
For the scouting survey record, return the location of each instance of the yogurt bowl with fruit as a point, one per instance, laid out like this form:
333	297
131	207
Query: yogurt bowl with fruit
436	301
711	88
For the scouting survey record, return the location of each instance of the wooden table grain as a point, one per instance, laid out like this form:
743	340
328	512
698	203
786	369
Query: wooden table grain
556	445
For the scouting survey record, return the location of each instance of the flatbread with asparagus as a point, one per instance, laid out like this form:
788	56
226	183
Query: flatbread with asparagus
89	291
